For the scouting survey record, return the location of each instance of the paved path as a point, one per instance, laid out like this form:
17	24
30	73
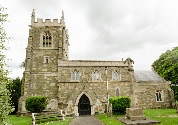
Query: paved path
86	120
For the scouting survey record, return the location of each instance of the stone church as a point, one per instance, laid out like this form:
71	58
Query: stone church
82	87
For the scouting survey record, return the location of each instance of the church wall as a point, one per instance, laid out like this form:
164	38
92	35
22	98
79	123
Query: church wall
123	87
145	94
40	84
44	84
65	73
69	90
39	64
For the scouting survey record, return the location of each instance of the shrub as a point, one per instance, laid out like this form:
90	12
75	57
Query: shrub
36	104
119	104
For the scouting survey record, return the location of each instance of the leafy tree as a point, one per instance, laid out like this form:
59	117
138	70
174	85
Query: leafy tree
5	106
167	67
15	93
36	103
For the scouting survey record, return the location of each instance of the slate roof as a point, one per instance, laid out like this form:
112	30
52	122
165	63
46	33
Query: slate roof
147	76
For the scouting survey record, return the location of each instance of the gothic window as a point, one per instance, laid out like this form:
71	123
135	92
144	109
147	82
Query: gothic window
47	39
115	75
159	96
95	75
117	92
46	59
75	75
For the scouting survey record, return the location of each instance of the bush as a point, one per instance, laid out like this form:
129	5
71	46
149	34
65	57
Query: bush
119	104
36	104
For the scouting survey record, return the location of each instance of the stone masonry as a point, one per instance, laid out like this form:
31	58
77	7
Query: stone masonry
49	72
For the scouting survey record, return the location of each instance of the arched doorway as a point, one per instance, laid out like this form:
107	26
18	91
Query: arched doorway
84	107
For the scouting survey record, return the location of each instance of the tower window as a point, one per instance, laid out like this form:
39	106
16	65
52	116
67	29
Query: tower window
95	75
47	39
46	59
115	75
75	75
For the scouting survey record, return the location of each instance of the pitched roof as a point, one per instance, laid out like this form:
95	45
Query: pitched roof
147	76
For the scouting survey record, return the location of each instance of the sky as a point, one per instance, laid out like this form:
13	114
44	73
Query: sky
98	29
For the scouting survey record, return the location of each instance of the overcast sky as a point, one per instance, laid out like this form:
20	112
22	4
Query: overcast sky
99	29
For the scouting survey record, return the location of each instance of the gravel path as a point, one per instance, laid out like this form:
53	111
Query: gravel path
86	120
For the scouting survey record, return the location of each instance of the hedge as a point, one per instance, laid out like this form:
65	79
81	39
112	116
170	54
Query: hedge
119	104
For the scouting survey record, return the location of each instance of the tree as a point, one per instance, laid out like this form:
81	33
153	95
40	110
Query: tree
167	67
5	106
36	103
15	93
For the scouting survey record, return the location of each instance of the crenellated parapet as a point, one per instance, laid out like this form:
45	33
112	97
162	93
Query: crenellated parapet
40	22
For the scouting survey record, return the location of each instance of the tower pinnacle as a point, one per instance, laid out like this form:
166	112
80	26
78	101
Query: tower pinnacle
62	18
33	16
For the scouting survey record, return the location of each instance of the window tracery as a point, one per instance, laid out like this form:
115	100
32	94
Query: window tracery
159	96
47	39
115	75
75	75
95	75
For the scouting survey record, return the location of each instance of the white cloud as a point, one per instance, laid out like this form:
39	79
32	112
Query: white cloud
100	30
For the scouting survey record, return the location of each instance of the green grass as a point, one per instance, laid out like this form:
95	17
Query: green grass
23	120
165	116
109	120
26	120
65	122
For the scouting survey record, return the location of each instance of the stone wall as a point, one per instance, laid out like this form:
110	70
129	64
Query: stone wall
145	94
69	91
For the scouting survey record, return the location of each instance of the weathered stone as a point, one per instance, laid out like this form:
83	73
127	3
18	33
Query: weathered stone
48	72
135	114
139	122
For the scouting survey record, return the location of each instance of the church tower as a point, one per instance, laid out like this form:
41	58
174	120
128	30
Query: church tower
47	44
49	35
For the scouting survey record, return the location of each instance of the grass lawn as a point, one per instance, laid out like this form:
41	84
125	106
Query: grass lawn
65	122
26	120
109	120
165	116
16	120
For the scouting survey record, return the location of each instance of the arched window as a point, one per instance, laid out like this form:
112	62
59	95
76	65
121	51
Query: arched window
115	75
95	75
117	92
47	39
75	75
159	96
